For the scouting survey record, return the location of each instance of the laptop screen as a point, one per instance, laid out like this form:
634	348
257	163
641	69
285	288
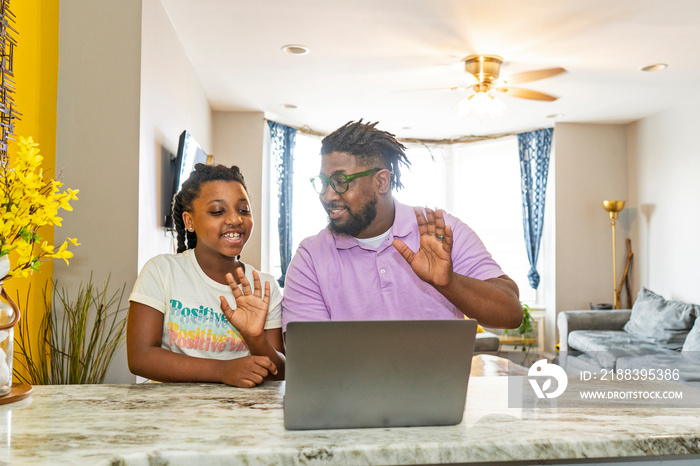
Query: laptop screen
346	374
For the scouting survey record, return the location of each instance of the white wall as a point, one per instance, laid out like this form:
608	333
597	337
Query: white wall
591	166
238	140
172	100
97	143
665	189
126	92
653	164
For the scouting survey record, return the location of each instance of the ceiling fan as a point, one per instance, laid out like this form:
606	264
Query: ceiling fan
485	70
484	73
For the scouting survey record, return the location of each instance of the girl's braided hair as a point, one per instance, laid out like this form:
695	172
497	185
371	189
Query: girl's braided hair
190	190
368	145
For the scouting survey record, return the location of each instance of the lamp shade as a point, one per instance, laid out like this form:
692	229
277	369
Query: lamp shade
613	206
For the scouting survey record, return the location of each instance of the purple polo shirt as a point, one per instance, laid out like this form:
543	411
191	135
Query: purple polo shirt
334	277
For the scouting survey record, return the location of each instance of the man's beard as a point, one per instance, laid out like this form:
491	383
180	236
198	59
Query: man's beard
356	223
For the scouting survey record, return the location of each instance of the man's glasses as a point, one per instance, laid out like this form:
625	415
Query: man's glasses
339	182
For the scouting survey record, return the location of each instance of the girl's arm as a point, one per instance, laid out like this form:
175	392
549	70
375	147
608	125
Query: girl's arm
147	359
270	345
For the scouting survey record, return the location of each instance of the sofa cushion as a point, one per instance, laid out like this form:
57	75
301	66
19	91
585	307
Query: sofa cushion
692	341
659	321
605	346
486	342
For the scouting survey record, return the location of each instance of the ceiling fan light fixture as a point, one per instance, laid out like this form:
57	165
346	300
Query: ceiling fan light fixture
481	104
498	108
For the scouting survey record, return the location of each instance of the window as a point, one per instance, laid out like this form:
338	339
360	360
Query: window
308	217
477	182
486	195
424	181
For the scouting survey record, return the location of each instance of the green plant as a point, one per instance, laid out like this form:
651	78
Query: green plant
527	326
77	339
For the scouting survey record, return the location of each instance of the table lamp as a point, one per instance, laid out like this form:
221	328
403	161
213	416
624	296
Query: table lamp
613	208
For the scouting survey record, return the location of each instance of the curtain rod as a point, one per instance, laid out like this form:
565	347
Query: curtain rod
460	140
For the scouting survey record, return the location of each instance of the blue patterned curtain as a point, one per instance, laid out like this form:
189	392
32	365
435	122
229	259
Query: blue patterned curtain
534	148
282	140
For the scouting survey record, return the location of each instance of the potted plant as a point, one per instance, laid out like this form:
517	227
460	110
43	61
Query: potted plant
527	327
78	338
526	330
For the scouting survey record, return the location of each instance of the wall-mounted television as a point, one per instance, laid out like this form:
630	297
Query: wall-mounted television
188	154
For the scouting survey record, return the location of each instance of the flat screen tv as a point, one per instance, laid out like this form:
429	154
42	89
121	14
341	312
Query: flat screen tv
188	154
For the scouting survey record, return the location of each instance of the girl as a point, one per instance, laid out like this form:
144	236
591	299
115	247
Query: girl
181	325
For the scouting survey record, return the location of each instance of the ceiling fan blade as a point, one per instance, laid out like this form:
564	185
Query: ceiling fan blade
529	76
526	94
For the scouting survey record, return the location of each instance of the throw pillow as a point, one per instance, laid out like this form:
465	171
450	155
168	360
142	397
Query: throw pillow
692	341
659	321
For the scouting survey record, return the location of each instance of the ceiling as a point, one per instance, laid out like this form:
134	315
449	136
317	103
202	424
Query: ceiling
374	59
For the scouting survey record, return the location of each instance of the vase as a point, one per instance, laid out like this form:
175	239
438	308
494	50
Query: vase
9	316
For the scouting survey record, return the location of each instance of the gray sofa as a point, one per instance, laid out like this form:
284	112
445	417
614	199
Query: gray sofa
655	334
486	343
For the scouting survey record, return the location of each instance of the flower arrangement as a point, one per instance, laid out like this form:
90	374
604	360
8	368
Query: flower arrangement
29	201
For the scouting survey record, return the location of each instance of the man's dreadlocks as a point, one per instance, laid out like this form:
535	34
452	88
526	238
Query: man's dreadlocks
368	144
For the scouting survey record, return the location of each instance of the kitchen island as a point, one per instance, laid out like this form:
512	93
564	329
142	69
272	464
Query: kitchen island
184	424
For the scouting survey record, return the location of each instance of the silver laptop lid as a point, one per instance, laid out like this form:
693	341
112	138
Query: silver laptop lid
342	374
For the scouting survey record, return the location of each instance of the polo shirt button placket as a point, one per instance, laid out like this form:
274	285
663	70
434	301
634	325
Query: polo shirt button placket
382	269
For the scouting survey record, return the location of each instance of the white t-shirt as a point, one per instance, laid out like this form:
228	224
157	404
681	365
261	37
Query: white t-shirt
193	323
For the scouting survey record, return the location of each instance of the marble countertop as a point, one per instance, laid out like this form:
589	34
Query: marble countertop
214	424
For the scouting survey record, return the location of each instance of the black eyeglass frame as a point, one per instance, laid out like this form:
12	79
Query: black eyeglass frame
348	178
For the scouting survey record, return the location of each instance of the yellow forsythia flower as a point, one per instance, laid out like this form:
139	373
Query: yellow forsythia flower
63	252
28	201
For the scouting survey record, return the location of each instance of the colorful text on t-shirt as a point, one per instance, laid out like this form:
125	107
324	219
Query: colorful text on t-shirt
185	329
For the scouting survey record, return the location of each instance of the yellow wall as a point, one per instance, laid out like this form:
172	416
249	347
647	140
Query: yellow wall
36	78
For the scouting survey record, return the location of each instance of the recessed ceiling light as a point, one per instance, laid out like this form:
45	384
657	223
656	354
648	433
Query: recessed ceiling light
655	67
291	106
295	49
555	115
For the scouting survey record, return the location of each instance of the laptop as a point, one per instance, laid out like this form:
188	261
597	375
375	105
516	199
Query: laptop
354	374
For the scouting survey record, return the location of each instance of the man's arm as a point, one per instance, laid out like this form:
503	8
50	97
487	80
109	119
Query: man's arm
302	299
493	302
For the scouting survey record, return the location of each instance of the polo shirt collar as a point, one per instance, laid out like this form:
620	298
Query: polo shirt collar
404	220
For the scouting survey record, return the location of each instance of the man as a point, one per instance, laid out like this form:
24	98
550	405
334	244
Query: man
363	265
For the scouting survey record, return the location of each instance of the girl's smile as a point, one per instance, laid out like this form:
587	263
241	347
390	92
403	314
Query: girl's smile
221	218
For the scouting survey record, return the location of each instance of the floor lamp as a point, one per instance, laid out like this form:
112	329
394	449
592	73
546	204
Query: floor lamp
613	208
